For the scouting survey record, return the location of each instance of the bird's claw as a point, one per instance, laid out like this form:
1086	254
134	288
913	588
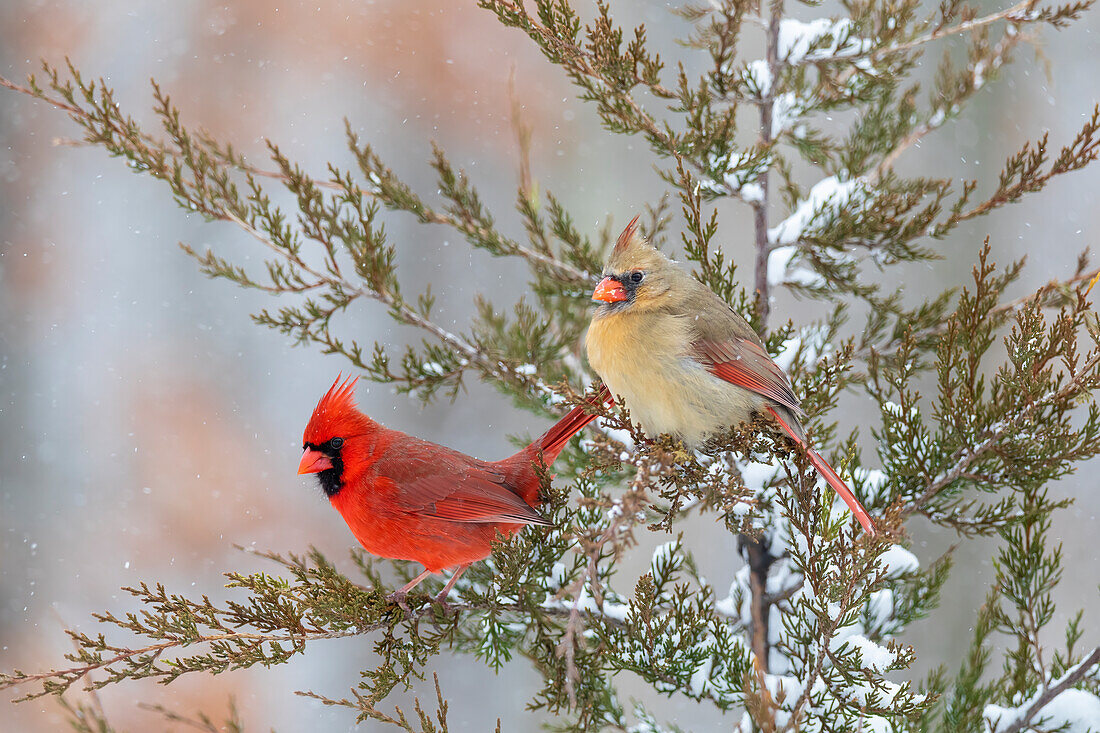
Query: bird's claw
441	601
398	597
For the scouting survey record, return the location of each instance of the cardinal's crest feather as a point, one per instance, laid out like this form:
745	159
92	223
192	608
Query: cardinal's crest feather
336	414
339	399
627	237
632	252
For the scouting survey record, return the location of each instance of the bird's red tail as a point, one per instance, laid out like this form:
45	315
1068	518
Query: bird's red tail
553	440
830	477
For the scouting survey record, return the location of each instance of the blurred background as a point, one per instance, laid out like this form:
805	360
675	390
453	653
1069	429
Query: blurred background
147	426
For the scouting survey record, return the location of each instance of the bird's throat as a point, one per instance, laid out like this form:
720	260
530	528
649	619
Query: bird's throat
332	479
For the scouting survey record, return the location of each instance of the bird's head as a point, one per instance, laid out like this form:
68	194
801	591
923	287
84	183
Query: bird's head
637	277
334	431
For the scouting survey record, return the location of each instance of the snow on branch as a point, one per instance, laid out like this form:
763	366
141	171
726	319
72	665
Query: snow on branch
819	40
1056	705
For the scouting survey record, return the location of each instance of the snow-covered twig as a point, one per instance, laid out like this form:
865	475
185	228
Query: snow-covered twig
1017	13
1024	714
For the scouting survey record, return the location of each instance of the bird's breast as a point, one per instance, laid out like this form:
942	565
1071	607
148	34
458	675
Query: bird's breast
648	361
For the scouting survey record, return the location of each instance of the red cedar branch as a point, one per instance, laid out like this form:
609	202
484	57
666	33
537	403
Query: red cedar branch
1019	10
401	309
966	457
465	226
582	63
992	61
77	673
1054	691
1005	308
73	674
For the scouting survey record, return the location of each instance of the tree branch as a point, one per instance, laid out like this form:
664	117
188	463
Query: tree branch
1005	308
64	678
1067	681
966	457
756	552
428	215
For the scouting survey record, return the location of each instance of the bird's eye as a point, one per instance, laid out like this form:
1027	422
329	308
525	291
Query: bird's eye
336	443
637	277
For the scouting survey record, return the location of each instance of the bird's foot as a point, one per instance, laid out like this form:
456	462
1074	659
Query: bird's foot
398	597
441	601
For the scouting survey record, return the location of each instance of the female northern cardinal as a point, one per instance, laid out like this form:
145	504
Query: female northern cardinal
409	499
684	362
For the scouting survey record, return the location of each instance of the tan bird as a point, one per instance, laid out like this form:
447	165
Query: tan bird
683	361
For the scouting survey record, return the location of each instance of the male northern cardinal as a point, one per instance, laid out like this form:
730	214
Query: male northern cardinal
683	361
409	499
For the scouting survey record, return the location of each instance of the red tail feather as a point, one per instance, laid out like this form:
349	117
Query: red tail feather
553	440
830	477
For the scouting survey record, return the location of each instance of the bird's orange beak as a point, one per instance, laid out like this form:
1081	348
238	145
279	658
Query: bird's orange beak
609	290
313	461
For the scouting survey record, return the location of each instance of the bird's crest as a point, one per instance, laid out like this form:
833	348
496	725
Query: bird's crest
632	252
336	414
629	235
339	399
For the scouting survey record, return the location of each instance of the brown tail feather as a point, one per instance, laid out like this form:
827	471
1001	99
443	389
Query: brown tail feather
830	477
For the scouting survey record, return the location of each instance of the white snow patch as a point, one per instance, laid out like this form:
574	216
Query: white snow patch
880	607
662	556
758	77
825	200
876	724
739	173
557	577
727	607
784	577
780	270
875	656
797	38
778	262
617	434
700	677
755	475
1073	711
898	561
874	483
610	609
751	193
786	108
789	350
979	74
884	691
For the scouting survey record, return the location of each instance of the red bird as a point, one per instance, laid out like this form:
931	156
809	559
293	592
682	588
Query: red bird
409	499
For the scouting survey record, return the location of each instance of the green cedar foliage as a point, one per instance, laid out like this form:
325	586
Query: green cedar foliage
983	400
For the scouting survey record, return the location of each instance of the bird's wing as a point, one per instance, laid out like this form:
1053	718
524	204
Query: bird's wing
475	496
744	362
433	481
727	346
